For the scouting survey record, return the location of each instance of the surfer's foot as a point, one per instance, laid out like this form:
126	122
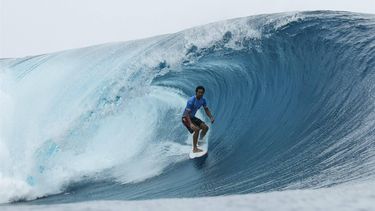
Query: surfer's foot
201	137
195	150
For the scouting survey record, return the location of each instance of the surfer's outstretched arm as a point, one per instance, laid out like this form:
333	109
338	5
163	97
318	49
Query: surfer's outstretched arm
208	112
187	116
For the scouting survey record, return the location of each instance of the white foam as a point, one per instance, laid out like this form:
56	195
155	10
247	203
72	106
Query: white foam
13	189
123	143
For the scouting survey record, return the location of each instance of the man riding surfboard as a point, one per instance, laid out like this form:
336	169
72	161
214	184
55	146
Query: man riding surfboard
192	123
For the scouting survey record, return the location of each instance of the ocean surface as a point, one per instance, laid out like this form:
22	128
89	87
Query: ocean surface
293	95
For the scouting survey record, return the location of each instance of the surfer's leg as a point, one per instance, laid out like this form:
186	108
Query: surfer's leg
195	139
204	128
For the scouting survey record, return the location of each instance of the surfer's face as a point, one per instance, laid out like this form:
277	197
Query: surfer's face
199	93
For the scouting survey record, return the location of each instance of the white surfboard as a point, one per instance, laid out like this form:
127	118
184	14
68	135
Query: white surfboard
203	145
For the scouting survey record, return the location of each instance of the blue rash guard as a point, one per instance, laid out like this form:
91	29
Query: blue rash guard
193	104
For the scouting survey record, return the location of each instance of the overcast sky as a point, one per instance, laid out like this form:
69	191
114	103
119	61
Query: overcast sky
31	27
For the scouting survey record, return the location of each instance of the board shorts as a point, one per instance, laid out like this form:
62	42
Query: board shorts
196	121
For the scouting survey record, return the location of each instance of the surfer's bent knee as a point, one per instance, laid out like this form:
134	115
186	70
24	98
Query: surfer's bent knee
204	126
196	129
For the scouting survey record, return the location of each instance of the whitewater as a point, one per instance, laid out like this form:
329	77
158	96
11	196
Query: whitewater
100	127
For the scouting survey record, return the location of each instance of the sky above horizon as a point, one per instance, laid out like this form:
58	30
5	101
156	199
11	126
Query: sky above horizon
32	27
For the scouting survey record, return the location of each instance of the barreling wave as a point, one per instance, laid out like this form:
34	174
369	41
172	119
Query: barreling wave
292	93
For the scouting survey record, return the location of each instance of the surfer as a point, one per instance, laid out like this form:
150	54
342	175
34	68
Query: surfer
192	123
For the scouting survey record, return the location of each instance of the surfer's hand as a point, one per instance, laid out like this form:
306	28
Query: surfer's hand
212	119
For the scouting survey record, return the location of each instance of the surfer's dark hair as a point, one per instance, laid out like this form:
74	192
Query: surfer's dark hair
200	87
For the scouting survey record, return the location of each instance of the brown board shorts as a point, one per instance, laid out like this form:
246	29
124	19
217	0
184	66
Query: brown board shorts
196	121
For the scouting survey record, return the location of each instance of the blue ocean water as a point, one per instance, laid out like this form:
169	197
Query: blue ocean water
292	93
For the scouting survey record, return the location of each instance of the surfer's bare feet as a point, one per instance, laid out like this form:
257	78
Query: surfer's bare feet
195	150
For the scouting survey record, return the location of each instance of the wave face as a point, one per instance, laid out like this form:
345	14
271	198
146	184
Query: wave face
292	93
